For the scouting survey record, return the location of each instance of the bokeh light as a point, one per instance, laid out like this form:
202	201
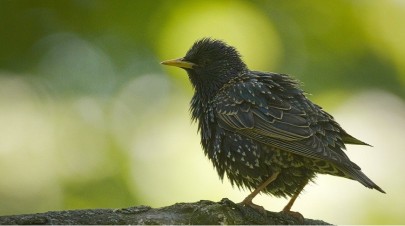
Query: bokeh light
90	119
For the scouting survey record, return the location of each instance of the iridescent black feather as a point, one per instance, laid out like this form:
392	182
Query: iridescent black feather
253	124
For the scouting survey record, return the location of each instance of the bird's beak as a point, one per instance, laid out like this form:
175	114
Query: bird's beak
179	63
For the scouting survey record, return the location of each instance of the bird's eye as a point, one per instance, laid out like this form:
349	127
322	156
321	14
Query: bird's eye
204	62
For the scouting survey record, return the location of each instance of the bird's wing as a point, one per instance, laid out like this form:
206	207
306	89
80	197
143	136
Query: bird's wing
269	115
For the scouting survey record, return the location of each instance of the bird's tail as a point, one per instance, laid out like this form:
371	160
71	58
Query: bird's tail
356	174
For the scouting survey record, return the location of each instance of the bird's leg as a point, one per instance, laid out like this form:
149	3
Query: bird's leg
287	208
248	200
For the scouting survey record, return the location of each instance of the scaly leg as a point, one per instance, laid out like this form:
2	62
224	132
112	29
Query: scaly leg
249	198
287	208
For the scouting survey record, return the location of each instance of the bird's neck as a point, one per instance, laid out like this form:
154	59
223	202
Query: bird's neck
202	111
200	105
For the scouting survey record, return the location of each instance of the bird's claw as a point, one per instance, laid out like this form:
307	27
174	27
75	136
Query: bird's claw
260	209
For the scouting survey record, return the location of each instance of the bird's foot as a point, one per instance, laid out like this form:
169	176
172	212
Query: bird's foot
252	205
296	215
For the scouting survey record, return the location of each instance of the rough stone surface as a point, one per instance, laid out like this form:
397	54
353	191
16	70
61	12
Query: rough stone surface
202	212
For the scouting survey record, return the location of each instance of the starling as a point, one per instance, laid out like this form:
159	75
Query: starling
259	128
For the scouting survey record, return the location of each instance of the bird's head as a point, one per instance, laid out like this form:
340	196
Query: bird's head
210	64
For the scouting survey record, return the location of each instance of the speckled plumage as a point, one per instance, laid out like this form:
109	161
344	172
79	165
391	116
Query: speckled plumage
254	124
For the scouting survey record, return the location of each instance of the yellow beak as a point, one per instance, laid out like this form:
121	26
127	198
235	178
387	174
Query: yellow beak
179	63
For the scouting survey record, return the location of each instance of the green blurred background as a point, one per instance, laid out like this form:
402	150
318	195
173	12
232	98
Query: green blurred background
90	119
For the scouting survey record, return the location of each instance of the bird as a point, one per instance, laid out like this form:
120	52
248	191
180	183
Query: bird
259	129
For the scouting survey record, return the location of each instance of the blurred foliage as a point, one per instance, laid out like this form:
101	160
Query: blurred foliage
89	119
